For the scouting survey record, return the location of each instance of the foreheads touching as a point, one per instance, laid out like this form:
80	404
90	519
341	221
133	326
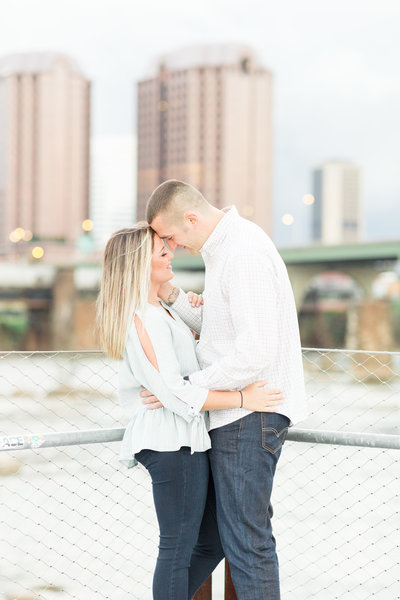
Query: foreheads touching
171	199
129	244
172	210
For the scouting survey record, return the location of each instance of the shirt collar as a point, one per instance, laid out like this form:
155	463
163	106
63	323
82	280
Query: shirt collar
217	236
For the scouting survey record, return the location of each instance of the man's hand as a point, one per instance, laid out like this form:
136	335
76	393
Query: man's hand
151	401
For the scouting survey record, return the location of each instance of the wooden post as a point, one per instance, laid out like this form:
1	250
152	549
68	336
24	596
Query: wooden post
204	592
230	593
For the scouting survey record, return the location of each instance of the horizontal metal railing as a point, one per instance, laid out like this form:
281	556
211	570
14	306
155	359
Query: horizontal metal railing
96	436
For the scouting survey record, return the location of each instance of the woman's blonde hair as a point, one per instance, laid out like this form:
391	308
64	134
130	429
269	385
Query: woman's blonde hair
125	284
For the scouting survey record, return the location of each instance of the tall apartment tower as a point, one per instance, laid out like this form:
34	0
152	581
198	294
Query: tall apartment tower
337	213
44	148
204	116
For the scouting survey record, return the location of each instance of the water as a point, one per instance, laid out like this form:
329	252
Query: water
75	524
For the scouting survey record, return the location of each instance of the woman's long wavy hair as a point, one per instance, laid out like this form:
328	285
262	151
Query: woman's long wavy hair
124	285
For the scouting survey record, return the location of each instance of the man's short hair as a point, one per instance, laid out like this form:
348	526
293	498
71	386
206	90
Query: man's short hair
173	197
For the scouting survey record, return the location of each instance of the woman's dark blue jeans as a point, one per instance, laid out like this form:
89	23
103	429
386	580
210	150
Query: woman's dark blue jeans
184	498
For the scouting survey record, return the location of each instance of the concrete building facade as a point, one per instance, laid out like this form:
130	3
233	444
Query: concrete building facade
44	148
204	116
337	213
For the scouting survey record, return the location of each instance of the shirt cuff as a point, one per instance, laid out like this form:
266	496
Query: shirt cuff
197	401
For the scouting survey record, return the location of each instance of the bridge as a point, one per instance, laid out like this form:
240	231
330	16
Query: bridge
52	297
362	262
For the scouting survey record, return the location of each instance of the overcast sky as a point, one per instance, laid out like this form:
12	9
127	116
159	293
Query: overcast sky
335	65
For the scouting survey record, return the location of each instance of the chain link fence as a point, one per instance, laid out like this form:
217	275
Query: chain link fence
75	524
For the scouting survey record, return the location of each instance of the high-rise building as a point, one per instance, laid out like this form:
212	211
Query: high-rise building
337	213
204	117
44	150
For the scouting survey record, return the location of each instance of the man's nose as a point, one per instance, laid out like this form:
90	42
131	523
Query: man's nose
171	245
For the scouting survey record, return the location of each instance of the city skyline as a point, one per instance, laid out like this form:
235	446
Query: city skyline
335	94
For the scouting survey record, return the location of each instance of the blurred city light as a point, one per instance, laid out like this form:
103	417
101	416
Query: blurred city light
87	225
16	235
308	199
20	232
37	252
288	219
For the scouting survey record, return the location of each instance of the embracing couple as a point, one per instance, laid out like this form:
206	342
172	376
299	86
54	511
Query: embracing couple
207	419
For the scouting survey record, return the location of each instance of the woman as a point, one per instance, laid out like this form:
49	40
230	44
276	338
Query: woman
157	351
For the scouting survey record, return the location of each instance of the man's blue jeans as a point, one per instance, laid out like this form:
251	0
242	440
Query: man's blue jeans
243	458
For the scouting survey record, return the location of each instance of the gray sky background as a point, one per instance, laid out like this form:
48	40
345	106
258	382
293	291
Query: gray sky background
336	78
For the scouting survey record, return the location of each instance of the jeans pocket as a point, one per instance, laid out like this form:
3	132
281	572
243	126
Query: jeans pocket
273	439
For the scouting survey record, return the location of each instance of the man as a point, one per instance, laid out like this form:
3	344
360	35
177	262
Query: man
248	332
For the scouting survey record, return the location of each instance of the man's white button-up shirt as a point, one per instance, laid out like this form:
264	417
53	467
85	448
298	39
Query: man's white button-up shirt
249	328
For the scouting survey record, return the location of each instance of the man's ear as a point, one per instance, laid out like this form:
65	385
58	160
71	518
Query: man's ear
190	217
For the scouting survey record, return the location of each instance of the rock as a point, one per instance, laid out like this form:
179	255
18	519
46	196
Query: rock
25	595
9	465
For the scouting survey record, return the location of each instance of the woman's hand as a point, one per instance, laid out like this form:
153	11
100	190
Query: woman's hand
259	399
195	300
149	400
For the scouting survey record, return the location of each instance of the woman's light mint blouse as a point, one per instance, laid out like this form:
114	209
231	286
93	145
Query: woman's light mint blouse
180	422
